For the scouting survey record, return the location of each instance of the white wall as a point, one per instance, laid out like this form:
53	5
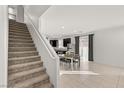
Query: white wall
80	19
109	46
3	45
35	11
47	53
73	43
20	13
60	41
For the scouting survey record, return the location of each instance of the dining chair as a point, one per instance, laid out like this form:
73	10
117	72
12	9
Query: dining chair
76	59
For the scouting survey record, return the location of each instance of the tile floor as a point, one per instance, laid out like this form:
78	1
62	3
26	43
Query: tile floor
91	75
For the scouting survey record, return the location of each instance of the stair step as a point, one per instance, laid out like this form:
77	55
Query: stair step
11	20
22	37
45	85
22	54
17	49
21	60
20	40
33	81
41	84
25	75
23	67
14	26
30	82
17	28
18	43
19	34
21	44
19	37
17	31
17	23
13	38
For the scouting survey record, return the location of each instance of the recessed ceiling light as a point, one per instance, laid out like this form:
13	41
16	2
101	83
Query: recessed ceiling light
62	27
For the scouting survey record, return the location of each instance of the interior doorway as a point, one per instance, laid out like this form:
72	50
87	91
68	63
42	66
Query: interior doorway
83	48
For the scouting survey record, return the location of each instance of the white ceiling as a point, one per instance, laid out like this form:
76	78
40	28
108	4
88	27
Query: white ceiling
13	6
36	10
68	20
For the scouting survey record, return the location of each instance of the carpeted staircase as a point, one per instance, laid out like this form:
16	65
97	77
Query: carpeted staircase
25	67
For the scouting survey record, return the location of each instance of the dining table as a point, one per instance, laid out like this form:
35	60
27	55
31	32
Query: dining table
70	58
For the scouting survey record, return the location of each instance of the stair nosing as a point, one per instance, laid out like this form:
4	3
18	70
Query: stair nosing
19	39
34	80
26	32
22	52
46	84
22	47
23	65
23	58
23	73
10	33
10	36
19	36
12	25
17	28
20	31
21	43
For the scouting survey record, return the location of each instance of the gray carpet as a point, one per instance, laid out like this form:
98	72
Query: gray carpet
25	69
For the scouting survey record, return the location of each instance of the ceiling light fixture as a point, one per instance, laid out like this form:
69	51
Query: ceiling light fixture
62	27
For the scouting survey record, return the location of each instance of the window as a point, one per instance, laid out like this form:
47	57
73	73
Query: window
66	42
54	43
11	12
